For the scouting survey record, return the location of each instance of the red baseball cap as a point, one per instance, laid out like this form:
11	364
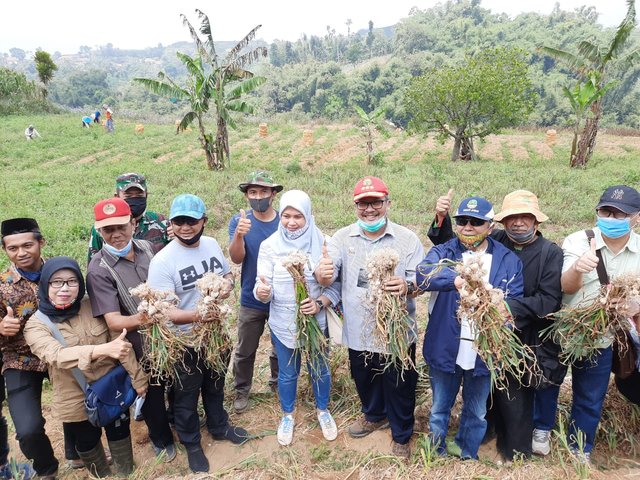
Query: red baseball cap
112	211
370	187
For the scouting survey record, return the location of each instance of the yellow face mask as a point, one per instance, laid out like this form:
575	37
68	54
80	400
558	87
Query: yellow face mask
472	241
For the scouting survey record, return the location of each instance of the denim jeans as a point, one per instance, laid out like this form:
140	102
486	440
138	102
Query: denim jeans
289	362
475	391
589	381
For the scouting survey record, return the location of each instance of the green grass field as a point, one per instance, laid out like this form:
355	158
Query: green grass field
58	178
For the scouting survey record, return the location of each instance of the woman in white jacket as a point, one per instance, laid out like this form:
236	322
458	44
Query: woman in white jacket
296	231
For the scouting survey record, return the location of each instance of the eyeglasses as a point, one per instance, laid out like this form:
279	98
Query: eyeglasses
475	222
179	221
606	213
72	282
376	204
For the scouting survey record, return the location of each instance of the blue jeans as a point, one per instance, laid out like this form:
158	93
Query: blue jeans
475	391
590	380
289	362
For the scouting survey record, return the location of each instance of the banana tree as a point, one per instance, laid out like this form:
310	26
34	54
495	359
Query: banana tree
213	85
592	61
370	122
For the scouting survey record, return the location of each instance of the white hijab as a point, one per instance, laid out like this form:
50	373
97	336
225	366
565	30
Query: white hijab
311	240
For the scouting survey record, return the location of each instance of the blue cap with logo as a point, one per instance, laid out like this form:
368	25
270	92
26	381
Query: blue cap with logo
621	197
187	205
476	207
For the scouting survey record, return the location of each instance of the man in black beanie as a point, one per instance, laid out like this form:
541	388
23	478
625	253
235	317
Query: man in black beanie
23	372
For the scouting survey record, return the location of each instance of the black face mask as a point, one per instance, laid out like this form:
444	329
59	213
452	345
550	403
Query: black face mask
260	205
192	240
137	205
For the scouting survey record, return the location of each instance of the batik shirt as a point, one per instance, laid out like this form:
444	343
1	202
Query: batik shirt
152	227
20	294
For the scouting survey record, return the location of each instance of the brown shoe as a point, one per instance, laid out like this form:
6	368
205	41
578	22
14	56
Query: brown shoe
363	427
241	403
402	451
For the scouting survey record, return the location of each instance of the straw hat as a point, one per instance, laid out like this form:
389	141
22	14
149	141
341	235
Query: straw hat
519	202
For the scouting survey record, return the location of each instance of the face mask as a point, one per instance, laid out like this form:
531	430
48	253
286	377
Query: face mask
613	227
522	238
118	253
372	226
193	240
137	205
296	234
472	241
260	205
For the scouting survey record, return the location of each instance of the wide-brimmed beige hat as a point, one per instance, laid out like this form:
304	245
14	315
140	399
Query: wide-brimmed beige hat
519	202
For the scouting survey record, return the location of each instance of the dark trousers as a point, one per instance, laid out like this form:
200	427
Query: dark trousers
251	323
195	378
630	387
510	415
4	430
24	391
389	394
87	436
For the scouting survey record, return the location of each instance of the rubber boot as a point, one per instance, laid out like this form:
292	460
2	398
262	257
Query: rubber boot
122	453
95	461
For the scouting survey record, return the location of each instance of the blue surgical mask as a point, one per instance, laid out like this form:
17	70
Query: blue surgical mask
372	226
118	253
614	227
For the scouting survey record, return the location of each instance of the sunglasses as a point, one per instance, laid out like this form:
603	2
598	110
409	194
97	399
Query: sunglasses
475	222
179	221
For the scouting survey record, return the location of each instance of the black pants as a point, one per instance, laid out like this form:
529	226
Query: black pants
630	387
4	430
24	392
87	436
510	414
195	378
389	394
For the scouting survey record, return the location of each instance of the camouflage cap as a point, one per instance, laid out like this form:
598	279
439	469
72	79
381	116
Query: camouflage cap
260	178
128	180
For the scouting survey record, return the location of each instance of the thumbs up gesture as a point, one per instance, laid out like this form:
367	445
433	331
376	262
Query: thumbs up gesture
588	261
443	204
324	270
263	289
244	224
10	325
118	348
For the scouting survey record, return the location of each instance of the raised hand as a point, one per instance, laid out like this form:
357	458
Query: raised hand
443	204
263	290
244	224
325	266
118	348
588	261
10	325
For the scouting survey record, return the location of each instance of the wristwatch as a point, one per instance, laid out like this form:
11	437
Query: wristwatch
411	288
319	303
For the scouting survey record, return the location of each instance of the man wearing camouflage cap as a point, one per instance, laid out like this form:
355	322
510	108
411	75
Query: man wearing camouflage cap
150	226
247	230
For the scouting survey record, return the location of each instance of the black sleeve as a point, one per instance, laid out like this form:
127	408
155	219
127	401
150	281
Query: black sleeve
440	234
547	296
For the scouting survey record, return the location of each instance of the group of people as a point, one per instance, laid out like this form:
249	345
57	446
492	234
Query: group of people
131	245
87	120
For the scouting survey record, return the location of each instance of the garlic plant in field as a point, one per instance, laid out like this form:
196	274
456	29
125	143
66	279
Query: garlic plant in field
211	332
393	325
162	348
310	337
579	330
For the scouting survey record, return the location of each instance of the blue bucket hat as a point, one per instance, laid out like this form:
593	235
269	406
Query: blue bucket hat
187	205
476	207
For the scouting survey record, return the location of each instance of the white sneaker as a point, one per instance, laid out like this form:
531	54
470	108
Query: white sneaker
328	425
541	442
285	430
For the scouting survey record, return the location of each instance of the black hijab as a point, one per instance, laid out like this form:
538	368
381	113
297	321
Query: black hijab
50	267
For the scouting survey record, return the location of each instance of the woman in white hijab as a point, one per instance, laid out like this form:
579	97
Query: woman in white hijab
297	231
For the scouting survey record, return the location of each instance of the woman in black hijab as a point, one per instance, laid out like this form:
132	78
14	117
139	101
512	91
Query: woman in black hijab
89	348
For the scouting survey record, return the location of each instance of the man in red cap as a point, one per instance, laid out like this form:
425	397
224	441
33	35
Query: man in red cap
387	394
123	263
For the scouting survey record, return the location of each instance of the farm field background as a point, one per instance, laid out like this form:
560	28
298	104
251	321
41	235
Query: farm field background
58	178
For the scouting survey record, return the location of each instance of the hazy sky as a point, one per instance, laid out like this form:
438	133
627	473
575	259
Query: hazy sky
64	25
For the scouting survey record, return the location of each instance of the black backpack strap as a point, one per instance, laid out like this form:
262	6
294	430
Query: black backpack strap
603	276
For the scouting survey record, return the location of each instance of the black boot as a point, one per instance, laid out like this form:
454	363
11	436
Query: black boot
95	461
122	454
